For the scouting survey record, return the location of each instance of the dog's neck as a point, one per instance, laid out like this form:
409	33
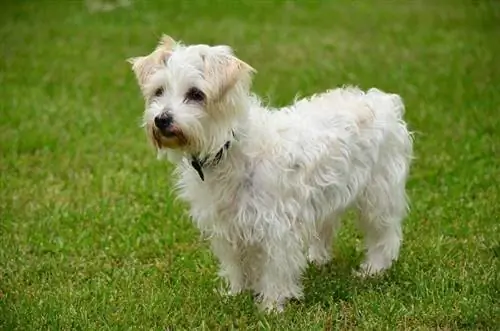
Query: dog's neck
213	160
199	163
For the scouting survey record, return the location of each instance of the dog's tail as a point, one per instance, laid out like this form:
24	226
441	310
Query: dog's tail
388	101
390	108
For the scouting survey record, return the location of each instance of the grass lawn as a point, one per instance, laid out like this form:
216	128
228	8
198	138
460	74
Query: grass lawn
91	237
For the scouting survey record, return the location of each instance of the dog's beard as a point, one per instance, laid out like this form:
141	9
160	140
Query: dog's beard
160	141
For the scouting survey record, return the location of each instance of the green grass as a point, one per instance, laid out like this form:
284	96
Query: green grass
91	237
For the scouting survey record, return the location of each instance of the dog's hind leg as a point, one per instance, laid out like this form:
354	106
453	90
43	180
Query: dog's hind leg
383	203
382	207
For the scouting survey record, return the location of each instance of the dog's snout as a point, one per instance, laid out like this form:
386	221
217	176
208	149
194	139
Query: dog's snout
163	121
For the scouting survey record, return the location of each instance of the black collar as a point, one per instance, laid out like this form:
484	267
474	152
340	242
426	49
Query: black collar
198	163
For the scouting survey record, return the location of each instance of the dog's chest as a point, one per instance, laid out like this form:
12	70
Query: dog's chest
216	204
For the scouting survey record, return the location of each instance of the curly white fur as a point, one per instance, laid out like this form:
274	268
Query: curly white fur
274	199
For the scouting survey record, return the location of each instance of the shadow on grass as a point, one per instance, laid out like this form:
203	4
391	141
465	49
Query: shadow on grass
335	282
331	287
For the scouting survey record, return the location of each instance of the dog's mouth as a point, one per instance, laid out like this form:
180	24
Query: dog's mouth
171	137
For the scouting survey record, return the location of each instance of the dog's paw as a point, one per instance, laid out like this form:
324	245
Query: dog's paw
228	292
367	269
318	256
270	306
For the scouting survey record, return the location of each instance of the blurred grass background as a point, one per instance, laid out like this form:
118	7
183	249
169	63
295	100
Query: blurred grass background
90	237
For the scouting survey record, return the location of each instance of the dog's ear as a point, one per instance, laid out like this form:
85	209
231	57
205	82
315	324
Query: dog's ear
235	71
224	70
144	66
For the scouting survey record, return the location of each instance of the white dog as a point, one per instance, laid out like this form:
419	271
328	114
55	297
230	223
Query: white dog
268	187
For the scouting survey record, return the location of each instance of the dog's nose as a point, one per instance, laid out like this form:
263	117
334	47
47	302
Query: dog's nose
163	121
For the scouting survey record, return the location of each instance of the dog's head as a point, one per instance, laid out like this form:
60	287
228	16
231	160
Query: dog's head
194	94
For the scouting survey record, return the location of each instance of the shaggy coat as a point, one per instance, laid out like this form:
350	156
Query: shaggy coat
267	186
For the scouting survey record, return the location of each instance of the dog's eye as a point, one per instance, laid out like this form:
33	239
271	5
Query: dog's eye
194	94
159	92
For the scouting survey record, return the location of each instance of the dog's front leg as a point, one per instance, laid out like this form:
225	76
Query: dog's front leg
321	244
229	255
282	267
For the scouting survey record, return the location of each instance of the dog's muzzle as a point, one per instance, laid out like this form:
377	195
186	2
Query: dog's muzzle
163	123
165	133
